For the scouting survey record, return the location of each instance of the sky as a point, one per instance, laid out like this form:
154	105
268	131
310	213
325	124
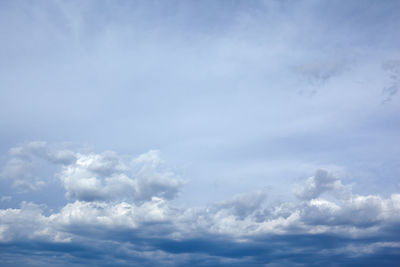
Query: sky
199	133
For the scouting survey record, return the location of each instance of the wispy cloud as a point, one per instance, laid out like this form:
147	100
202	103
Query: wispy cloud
277	121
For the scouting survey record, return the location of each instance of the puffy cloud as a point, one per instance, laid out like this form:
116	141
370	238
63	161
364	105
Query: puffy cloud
122	201
320	183
111	214
244	205
92	176
28	223
107	176
358	211
25	160
40	149
20	171
244	230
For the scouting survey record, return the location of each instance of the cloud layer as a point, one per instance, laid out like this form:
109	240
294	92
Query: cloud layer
119	208
278	123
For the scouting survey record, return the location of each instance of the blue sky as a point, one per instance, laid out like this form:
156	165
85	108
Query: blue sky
199	133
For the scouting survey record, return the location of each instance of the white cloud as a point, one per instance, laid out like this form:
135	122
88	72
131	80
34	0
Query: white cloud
19	170
25	162
93	176
360	216
114	191
244	219
28	222
321	182
107	176
215	86
111	214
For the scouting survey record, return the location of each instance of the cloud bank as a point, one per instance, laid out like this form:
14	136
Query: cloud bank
119	212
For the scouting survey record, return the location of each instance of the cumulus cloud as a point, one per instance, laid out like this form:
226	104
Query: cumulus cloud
124	200
28	223
108	176
112	214
321	182
92	176
219	78
40	149
23	166
240	230
244	204
20	172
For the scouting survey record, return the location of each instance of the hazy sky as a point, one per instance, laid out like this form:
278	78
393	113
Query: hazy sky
199	133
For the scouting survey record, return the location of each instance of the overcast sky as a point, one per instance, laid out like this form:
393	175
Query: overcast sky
199	133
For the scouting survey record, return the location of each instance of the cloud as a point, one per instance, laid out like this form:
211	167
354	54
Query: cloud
5	198
392	67
28	223
111	214
20	172
107	176
23	166
92	176
243	205
320	183
319	72
244	230
219	78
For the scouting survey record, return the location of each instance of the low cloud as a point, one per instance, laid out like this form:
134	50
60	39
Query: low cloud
119	208
93	176
107	176
25	161
352	229
321	182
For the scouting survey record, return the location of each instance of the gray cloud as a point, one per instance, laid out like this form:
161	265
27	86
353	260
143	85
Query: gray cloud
242	230
319	72
212	84
92	176
243	205
392	67
25	161
109	176
320	183
20	172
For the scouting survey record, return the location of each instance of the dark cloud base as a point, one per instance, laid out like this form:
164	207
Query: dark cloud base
292	250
